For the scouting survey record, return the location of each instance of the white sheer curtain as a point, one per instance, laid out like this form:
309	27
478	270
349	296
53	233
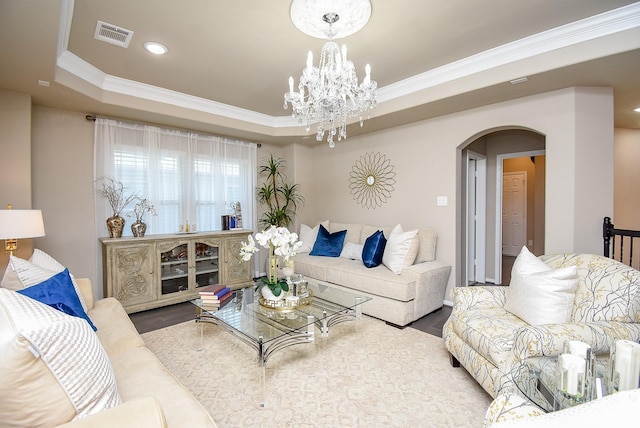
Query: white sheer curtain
187	176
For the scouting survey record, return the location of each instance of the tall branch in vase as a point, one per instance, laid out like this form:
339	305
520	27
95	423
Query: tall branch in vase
115	194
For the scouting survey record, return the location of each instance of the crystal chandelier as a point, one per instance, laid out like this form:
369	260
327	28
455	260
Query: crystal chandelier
328	95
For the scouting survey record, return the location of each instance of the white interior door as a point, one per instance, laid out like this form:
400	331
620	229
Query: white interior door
471	221
514	212
476	217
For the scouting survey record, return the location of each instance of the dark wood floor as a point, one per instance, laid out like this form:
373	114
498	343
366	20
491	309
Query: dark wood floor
166	316
507	265
169	315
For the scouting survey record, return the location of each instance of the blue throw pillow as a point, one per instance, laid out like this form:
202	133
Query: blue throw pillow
58	292
328	244
374	249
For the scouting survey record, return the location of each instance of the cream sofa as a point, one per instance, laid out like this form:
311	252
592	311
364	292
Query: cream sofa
489	341
398	299
151	396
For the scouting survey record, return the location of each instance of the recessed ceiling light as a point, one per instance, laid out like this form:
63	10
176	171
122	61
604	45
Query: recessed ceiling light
637	109
156	48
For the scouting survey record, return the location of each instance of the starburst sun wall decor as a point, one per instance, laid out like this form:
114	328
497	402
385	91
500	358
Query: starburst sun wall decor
371	180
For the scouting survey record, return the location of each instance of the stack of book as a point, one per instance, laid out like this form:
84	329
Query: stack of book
214	297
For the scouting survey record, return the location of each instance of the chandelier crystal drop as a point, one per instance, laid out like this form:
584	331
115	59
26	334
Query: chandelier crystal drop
328	95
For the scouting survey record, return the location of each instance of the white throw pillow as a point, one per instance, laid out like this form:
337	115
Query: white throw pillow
51	363
352	251
308	236
427	248
539	294
401	249
40	267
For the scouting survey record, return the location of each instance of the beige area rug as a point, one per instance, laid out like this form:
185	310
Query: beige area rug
365	374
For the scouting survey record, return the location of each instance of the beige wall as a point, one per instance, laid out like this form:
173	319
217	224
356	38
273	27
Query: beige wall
63	188
576	123
15	155
626	179
425	156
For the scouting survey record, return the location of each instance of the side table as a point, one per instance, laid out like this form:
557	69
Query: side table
536	379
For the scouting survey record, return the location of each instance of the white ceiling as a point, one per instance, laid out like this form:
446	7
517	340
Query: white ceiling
228	62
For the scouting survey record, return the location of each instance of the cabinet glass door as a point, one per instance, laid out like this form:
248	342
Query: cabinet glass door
207	267
175	269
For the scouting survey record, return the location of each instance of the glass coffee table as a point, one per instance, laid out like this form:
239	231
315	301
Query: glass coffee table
270	330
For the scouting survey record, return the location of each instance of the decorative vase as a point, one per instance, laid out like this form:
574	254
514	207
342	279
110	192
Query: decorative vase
268	294
287	271
138	228
115	224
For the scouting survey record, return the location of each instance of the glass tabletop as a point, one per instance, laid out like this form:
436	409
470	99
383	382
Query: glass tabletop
247	316
537	379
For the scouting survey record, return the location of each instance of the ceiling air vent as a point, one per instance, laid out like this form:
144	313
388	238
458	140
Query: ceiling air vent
113	34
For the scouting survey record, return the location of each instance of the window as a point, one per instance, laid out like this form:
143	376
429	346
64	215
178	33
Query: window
187	176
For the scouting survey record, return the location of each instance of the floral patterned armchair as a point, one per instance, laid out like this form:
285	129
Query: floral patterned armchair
489	341
512	411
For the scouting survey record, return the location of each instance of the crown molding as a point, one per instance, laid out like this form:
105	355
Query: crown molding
591	28
76	73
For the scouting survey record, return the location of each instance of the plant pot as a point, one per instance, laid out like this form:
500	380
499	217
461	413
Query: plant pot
115	225
138	229
268	294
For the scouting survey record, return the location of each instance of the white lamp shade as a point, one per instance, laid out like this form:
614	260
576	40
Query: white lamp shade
18	224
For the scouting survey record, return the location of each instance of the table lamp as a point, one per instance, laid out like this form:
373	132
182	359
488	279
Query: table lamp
19	224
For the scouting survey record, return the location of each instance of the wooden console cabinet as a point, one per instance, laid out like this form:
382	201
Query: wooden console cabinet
158	270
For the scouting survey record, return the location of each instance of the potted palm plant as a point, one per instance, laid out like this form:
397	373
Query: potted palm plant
280	198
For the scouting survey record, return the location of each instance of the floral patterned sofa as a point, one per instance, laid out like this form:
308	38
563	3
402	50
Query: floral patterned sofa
489	341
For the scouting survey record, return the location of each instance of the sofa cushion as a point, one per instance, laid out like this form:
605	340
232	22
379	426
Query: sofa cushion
374	249
308	236
428	238
607	289
401	249
45	261
488	331
115	329
539	294
353	231
139	373
377	281
53	366
58	292
367	231
352	251
328	244
22	273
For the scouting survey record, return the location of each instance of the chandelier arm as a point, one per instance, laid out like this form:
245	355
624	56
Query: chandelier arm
328	95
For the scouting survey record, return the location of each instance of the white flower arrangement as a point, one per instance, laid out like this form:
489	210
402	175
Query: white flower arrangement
284	244
281	243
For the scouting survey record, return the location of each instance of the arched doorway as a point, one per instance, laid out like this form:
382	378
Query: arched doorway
488	155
